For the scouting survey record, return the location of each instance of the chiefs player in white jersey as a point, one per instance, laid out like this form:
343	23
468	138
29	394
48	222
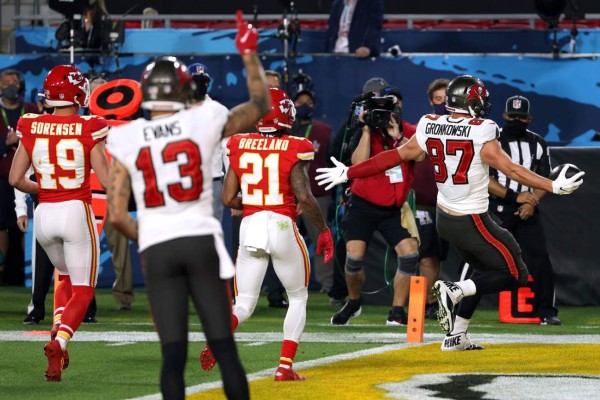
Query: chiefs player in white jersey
270	168
63	147
461	146
166	163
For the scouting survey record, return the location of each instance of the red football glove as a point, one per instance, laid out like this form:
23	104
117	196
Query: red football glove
246	39
325	244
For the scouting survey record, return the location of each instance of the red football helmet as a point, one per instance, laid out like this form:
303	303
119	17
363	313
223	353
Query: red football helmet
65	85
282	115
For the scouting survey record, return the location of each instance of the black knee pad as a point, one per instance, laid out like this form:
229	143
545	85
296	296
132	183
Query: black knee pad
407	265
353	265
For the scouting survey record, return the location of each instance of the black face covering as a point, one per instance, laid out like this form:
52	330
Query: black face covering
515	128
11	93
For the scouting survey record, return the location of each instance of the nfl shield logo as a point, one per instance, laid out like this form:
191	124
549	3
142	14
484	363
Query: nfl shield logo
516	104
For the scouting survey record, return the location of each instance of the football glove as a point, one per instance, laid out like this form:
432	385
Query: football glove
325	245
332	176
564	185
246	39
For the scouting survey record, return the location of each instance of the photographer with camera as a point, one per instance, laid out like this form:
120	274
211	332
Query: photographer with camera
379	202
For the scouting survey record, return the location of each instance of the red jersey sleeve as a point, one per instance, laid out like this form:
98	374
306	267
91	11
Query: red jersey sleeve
97	127
306	150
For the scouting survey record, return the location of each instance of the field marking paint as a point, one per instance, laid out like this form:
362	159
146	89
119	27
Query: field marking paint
307	337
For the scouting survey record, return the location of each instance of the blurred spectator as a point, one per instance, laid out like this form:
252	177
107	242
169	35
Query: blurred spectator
319	133
12	106
355	27
90	31
149	12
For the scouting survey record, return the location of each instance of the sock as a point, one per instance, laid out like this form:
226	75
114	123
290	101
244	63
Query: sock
288	352
57	319
74	312
468	287
460	325
62	291
354	302
234	322
396	310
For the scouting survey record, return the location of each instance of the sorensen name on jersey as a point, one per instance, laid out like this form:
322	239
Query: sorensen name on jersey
433	128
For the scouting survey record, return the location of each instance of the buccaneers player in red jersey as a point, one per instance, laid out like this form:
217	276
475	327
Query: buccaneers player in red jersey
63	147
270	169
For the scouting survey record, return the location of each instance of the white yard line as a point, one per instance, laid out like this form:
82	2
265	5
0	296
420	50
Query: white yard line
328	337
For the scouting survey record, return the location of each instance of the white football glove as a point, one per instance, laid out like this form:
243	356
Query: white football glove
333	176
564	185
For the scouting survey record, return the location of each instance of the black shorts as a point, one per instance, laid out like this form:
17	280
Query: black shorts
431	243
482	243
363	218
8	218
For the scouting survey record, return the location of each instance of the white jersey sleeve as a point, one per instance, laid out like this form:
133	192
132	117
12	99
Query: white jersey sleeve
454	147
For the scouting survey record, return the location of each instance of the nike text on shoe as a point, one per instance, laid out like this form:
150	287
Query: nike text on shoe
54	354
348	311
207	359
448	295
460	341
287	374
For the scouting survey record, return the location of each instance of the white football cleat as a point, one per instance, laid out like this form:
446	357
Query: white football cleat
460	341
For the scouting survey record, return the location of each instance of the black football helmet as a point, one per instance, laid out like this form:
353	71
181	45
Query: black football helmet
166	85
467	94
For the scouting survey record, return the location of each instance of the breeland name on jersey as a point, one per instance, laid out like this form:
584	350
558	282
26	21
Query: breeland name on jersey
263	144
434	128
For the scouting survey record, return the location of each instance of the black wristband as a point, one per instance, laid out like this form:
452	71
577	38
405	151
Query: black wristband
511	196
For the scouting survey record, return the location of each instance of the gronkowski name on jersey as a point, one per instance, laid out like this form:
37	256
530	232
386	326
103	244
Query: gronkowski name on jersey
454	147
59	148
263	165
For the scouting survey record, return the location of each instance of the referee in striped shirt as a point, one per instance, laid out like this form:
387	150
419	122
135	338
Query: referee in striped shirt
515	204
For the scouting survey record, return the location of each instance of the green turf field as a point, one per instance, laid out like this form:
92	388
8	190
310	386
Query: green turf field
119	357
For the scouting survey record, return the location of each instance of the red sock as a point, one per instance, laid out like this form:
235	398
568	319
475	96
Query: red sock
234	322
288	352
62	291
75	311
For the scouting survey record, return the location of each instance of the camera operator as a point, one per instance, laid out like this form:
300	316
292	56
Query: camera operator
89	31
379	202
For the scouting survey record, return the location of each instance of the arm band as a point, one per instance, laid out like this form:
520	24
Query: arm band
511	196
381	162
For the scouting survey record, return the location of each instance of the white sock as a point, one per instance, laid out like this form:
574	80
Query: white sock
460	325
468	287
63	342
